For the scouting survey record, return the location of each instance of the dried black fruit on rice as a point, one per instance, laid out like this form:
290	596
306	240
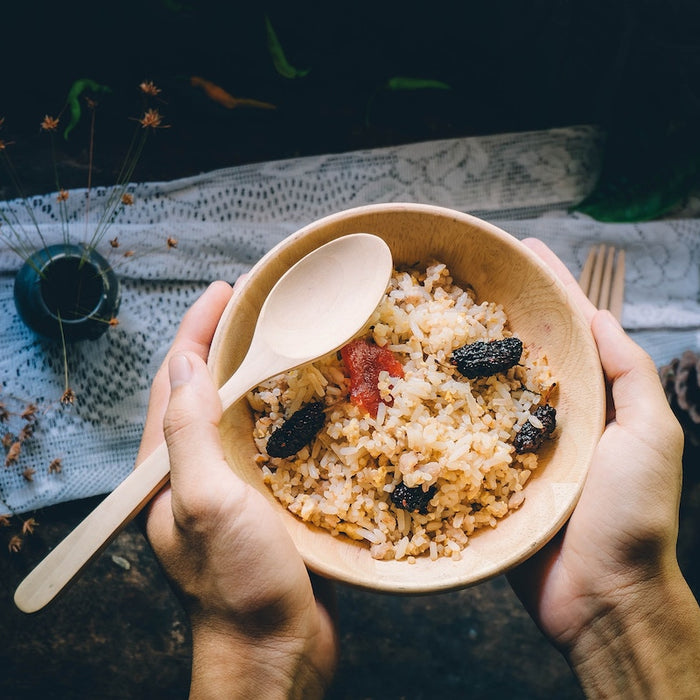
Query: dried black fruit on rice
530	437
297	431
412	498
483	359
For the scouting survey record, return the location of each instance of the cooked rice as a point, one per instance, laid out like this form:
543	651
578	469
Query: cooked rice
440	429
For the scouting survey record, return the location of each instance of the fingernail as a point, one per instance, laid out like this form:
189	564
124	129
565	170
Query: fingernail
180	370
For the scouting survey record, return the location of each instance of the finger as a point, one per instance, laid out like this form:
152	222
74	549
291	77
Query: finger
638	397
198	468
199	323
239	282
194	335
562	272
198	326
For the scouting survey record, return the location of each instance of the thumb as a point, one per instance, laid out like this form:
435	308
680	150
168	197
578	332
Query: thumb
191	428
638	396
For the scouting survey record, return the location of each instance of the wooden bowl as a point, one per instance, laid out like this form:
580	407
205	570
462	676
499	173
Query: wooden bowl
540	312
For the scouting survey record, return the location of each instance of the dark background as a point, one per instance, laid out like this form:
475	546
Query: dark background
631	67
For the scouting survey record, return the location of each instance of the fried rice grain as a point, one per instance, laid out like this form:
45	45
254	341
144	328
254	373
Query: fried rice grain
435	430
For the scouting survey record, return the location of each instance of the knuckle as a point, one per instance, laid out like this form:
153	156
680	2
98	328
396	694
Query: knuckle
176	422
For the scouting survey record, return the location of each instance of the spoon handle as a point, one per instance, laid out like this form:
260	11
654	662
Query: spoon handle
259	364
83	544
94	533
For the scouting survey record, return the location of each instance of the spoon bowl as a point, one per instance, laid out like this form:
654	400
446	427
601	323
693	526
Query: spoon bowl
314	308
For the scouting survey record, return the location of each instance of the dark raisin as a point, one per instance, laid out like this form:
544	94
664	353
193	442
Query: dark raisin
483	359
412	498
297	431
529	438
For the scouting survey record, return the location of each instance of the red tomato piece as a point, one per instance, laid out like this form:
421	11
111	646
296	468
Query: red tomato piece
364	361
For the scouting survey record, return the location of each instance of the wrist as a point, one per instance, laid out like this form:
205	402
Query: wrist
229	664
644	642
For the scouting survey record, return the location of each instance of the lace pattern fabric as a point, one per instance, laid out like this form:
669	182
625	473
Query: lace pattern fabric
224	221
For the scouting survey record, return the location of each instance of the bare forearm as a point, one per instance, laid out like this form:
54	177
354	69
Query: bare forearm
226	668
646	646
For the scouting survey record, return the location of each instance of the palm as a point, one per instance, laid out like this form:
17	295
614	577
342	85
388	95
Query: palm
608	539
626	520
221	544
243	535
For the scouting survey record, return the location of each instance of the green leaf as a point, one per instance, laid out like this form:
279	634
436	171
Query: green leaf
279	60
73	100
401	83
647	172
625	201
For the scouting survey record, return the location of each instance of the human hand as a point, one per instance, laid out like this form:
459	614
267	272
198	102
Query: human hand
607	590
257	628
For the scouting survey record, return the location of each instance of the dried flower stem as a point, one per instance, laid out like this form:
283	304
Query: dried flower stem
63	213
91	150
66	386
115	199
17	237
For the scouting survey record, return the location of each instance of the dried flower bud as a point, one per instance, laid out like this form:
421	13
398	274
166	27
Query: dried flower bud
5	520
13	453
171	242
26	432
29	412
15	544
28	526
152	119
56	466
49	123
28	473
114	242
62	196
148	88
127	199
68	397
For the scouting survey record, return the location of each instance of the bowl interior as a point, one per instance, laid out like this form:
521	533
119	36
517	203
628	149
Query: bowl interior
539	311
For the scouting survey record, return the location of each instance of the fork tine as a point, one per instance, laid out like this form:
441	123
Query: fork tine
602	278
606	278
597	275
617	289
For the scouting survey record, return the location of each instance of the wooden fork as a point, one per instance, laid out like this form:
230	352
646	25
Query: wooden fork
603	278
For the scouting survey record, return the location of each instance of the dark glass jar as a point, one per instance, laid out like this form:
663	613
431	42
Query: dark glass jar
67	287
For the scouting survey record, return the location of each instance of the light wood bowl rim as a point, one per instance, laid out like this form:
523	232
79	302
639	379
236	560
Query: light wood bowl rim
556	487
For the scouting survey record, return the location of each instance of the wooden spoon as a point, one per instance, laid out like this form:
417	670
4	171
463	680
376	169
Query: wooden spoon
316	307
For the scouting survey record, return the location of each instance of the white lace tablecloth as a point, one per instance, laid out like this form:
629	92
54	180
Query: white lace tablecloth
226	220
